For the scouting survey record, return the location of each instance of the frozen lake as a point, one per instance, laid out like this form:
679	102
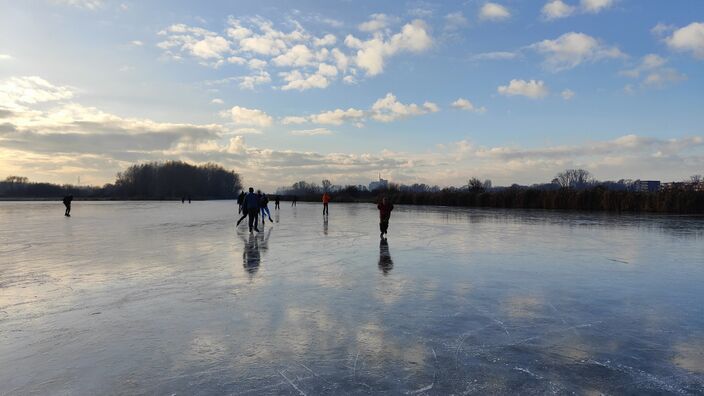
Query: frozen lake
166	298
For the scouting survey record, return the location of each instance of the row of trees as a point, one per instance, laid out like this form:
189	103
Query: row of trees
573	189
175	179
168	180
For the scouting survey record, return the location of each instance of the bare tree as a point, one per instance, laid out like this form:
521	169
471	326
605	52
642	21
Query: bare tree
487	184
475	185
326	185
695	179
573	178
17	179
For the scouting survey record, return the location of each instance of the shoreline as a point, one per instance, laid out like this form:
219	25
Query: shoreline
372	202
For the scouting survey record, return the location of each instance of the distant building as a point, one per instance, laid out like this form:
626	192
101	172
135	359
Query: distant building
647	185
382	184
683	186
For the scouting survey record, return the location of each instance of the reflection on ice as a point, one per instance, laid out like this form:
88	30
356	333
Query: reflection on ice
150	298
386	264
255	244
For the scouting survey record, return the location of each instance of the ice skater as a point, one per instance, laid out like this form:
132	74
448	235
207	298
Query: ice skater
326	201
264	206
243	210
385	208
277	199
67	203
251	208
294	199
240	201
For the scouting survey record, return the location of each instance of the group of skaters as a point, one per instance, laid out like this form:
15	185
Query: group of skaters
253	204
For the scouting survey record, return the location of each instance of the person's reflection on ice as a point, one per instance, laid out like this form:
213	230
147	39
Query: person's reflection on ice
386	264
254	246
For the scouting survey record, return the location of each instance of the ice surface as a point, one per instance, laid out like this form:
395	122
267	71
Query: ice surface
170	298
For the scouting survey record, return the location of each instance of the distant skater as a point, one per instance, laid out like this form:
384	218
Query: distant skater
183	200
294	199
189	199
264	206
276	202
326	201
251	201
67	204
385	208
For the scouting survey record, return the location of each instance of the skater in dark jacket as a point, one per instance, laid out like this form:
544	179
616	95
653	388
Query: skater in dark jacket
67	204
385	208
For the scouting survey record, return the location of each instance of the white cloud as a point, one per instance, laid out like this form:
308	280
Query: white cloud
251	81
386	109
662	77
494	12
371	54
325	41
85	4
5	57
375	22
250	117
236	31
237	60
18	91
341	60
349	80
217	101
136	43
210	47
256	64
498	55
567	94
247	131
661	29
688	39
308	61
532	89
555	9
297	56
466	105
294	120
198	42
455	21
337	117
301	82
389	109
572	49
311	132
652	68
267	40
595	6
649	62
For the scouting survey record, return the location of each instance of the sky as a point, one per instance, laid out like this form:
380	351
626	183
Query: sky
418	92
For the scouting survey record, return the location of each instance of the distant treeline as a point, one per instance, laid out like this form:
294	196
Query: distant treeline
573	189
597	198
168	180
